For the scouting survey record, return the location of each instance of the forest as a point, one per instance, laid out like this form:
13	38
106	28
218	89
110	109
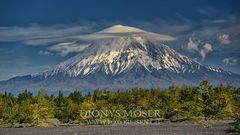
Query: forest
175	103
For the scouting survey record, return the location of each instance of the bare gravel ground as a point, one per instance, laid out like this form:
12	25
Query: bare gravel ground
166	128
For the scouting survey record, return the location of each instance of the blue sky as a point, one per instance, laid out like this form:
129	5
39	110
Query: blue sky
31	30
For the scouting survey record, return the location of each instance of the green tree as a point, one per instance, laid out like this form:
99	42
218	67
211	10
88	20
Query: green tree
9	110
42	108
76	97
26	95
213	103
25	112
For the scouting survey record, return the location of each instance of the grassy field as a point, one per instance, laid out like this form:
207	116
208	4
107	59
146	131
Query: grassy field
166	128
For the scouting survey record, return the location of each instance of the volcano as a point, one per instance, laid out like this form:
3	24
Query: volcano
120	58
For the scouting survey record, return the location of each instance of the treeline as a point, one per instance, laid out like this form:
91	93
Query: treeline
174	103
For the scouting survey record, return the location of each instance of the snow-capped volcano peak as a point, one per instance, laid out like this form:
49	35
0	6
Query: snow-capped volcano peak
121	29
122	55
126	49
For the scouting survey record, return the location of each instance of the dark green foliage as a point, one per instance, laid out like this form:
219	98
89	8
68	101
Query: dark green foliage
236	124
9	109
76	97
175	103
213	100
26	95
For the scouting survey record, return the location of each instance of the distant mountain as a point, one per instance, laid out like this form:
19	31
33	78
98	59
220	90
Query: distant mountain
129	57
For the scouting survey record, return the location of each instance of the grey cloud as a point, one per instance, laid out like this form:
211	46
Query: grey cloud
23	34
219	21
85	37
231	61
66	48
224	39
78	42
41	52
54	35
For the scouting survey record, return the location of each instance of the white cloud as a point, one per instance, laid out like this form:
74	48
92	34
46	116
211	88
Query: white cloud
195	45
78	42
105	35
192	45
65	39
207	47
205	50
231	61
66	48
224	39
46	35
